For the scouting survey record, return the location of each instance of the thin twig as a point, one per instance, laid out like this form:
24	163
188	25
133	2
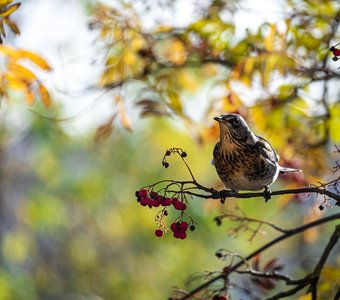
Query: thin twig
317	271
280	238
243	218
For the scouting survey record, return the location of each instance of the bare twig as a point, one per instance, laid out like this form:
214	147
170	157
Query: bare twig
280	238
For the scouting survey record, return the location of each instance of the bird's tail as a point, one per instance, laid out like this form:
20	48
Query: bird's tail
284	170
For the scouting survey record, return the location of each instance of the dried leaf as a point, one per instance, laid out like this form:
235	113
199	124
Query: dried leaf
104	131
256	262
2	28
14	28
151	108
124	120
270	264
9	10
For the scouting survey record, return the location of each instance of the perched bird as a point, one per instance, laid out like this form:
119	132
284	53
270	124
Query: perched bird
243	160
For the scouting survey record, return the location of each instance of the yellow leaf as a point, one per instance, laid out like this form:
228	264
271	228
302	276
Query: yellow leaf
10	51
175	101
124	120
35	58
176	52
21	71
9	10
305	297
45	96
16	84
269	41
5	2
130	58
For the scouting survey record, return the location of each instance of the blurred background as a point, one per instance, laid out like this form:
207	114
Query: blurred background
127	80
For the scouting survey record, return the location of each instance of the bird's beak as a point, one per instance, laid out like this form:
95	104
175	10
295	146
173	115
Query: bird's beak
218	119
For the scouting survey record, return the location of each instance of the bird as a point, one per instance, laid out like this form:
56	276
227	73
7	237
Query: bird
243	160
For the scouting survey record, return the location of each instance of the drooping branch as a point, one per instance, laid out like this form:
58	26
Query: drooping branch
291	232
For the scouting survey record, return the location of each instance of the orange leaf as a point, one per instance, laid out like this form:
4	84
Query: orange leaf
45	96
30	98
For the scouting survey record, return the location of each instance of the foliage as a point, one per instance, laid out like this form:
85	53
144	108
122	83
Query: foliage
69	227
15	75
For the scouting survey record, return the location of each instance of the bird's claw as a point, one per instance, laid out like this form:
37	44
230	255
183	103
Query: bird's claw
225	194
267	194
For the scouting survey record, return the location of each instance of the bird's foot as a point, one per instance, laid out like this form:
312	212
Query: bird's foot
267	194
225	194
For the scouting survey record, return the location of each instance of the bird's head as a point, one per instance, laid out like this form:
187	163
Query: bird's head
234	127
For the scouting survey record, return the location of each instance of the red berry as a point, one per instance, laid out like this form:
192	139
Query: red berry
166	202
159	232
174	200
175	227
183	226
144	201
336	52
180	206
143	193
154	203
160	199
181	235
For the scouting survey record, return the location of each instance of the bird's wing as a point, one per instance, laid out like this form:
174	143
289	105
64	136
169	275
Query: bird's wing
267	150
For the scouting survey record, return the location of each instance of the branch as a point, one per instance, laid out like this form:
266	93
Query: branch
280	238
317	271
213	194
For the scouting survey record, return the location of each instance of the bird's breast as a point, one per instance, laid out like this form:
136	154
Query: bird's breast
243	169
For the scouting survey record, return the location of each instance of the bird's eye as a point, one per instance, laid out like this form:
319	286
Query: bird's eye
236	122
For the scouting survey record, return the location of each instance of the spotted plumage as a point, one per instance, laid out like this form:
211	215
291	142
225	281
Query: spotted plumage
243	160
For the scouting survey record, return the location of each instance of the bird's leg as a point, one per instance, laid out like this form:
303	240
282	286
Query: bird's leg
267	194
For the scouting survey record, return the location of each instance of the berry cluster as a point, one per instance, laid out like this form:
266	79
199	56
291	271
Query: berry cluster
335	51
154	199
179	229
